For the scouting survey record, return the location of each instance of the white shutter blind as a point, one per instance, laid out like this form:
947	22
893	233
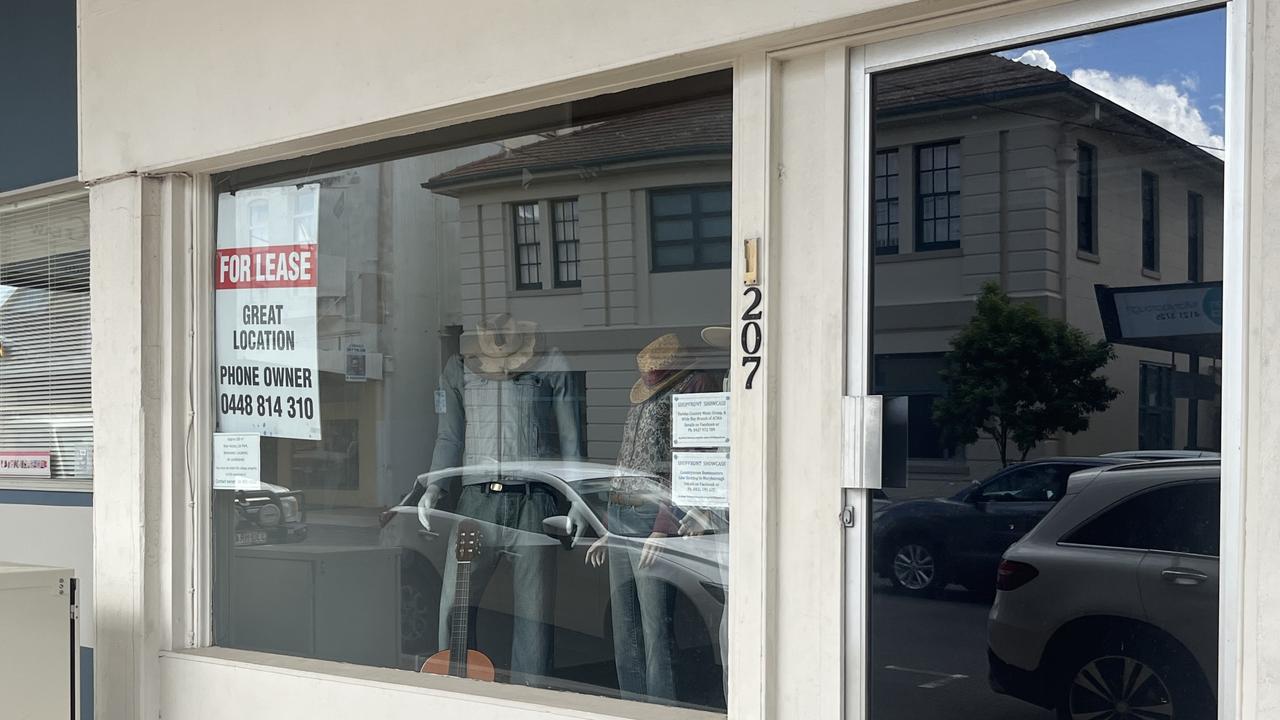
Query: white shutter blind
44	332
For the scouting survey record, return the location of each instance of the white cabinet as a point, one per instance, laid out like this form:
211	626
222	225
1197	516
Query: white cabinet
39	643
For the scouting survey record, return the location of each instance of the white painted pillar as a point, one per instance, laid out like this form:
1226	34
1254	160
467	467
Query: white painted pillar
140	421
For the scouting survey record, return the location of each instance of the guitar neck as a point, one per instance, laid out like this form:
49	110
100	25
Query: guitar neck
460	622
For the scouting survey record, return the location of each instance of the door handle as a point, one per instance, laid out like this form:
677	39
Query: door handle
429	534
1182	576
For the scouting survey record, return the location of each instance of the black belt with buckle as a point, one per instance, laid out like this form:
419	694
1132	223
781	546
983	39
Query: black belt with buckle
499	487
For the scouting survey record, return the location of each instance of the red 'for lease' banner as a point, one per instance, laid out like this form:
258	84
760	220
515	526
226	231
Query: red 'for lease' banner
272	266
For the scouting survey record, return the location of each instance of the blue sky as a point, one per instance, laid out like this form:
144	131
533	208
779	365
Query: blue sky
1171	71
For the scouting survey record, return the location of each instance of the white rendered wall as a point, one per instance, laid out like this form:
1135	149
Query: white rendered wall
164	83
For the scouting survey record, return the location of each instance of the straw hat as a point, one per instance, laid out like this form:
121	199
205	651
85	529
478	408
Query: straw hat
503	345
662	363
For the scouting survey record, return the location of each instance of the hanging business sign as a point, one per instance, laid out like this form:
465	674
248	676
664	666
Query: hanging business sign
265	308
1183	318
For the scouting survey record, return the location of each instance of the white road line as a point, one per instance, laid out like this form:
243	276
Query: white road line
943	678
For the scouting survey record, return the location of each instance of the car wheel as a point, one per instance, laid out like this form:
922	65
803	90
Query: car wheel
915	568
1140	677
418	607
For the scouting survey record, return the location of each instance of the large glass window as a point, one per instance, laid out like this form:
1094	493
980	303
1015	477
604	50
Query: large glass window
1048	545
422	465
46	413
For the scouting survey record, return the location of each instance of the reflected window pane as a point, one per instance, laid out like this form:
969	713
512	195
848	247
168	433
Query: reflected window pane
694	217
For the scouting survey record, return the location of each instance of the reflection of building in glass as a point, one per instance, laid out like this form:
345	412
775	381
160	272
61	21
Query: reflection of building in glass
607	236
992	170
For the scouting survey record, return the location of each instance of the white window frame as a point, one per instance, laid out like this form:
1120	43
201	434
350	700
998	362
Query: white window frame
1013	31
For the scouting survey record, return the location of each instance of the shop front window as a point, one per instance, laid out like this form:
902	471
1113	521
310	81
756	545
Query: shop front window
1056	556
420	465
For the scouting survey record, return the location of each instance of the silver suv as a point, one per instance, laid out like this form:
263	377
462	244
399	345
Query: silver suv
1109	607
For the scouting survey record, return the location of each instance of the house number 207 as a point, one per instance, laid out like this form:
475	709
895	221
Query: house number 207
752	336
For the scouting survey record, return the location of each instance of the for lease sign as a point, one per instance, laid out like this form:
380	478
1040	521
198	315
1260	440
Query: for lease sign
265	304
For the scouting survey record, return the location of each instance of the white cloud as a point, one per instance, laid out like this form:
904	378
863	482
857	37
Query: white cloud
1037	57
1162	103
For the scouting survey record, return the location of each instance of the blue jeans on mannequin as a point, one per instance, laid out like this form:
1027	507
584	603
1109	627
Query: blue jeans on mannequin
512	522
642	610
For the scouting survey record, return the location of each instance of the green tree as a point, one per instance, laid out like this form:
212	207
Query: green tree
1017	376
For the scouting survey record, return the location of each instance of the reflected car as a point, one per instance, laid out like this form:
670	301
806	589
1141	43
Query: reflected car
693	565
269	515
1109	608
923	545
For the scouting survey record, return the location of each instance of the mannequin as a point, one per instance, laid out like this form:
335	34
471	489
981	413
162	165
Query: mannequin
642	604
508	399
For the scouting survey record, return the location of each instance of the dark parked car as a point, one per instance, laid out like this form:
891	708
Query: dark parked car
922	545
271	514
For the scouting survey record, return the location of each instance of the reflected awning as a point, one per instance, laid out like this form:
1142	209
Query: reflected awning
1183	318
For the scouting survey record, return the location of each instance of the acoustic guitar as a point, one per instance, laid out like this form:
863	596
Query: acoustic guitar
459	660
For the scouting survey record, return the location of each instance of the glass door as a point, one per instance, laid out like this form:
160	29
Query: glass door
1043	282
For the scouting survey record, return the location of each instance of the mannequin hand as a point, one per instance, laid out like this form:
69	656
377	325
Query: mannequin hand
598	552
651	549
425	505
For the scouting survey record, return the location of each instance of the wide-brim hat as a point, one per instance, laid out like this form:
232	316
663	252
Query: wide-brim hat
502	345
662	363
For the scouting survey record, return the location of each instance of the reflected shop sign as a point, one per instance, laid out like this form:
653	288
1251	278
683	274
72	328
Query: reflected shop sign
1184	318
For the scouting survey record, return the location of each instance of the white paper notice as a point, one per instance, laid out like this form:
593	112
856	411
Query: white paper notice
237	461
700	479
265	307
700	420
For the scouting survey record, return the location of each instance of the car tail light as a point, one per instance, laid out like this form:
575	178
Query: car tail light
1013	575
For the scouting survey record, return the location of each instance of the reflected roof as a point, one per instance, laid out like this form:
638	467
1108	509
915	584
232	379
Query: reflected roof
703	126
